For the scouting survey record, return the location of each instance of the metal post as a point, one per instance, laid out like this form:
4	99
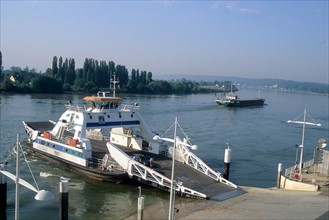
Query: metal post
297	151
64	190
3	189
3	193
17	179
278	183
302	149
302	145
172	190
140	205
227	161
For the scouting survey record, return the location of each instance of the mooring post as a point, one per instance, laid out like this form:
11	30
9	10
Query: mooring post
140	205
278	183
3	189
227	161
64	190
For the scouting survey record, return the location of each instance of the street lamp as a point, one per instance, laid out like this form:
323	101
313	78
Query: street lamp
322	143
172	188
304	122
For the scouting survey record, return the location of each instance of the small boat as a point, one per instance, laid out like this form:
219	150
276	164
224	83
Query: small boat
129	152
232	100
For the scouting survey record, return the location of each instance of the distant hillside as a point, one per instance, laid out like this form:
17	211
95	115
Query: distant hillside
248	82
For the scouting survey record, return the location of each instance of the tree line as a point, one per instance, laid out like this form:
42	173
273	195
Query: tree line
63	76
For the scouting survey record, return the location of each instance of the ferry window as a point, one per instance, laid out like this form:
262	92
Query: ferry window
43	142
108	116
101	119
66	149
54	145
119	115
90	116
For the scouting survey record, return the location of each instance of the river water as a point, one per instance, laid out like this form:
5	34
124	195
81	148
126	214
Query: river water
259	138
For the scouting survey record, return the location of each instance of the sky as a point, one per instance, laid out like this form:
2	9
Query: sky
251	39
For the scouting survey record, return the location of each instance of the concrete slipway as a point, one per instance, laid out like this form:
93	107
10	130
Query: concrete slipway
256	203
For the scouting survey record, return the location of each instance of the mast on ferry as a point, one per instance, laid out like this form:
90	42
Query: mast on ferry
114	82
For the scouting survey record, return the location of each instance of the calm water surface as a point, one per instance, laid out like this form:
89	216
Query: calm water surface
259	137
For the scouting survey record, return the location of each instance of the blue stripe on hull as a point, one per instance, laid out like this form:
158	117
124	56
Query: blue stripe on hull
59	147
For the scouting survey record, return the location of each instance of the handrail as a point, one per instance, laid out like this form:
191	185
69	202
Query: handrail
290	170
126	107
136	169
186	156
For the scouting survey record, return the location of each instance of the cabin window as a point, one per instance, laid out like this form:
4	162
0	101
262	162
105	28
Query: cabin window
108	116
90	116
42	142
101	119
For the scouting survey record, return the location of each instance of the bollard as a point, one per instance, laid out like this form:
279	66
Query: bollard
3	189
278	183
64	190
140	205
227	161
140	208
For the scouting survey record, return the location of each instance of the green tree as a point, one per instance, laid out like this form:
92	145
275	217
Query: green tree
46	84
149	78
160	87
54	67
60	74
2	76
122	75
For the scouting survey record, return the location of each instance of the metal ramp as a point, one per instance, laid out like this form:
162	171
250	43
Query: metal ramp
190	181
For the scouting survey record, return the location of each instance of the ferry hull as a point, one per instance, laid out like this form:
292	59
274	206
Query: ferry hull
92	173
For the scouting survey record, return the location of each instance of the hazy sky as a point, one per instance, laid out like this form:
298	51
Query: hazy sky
254	39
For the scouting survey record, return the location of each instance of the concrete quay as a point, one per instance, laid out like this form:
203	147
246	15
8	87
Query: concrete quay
255	203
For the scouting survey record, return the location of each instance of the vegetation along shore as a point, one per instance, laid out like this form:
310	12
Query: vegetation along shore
63	76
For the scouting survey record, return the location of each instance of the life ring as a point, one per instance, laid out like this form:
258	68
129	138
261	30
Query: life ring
150	148
296	176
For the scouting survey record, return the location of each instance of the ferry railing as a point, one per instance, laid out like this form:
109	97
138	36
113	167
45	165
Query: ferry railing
291	170
139	170
73	108
125	107
146	174
186	156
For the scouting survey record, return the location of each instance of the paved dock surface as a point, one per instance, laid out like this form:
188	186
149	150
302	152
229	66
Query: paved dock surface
256	203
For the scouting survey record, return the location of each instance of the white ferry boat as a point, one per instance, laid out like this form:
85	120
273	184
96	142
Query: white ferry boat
128	153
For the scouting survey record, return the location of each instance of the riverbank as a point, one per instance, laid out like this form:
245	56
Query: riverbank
256	203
